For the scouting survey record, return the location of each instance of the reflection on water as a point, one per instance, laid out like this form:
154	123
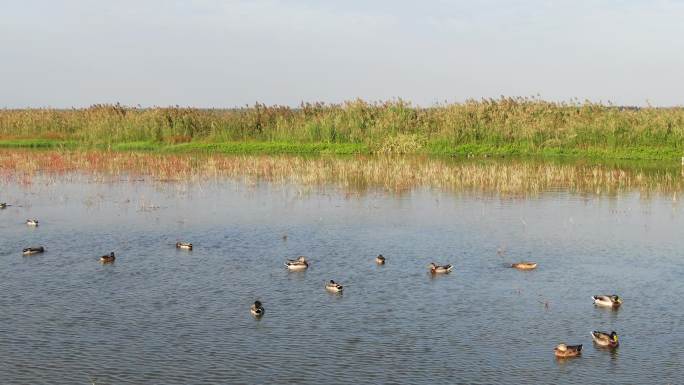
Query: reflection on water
359	174
160	315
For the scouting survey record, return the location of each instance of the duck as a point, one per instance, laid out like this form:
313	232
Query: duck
3	205
108	258
604	339
32	222
611	300
380	260
33	250
437	269
257	309
333	286
567	351
524	265
184	245
297	264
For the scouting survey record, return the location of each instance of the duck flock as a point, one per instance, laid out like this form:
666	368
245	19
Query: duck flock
600	338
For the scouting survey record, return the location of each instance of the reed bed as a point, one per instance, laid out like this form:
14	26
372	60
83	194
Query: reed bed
391	127
357	174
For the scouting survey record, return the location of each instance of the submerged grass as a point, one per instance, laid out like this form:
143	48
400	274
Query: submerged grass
506	126
359	173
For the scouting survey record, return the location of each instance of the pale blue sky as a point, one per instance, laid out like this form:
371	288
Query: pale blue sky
211	53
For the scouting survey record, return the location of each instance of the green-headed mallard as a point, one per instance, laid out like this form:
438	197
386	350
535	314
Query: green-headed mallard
108	258
566	351
32	222
437	269
333	286
524	265
33	250
380	260
297	264
608	340
257	309
3	205
611	300
184	245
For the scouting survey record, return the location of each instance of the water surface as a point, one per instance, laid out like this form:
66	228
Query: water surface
165	316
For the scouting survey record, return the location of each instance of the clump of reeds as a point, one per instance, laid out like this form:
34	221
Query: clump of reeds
354	174
392	126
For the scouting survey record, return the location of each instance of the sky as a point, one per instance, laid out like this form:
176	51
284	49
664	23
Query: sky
212	53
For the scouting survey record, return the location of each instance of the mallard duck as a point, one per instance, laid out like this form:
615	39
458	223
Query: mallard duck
609	340
566	351
3	205
524	265
33	250
607	300
437	269
333	286
257	309
32	222
380	260
108	258
297	264
184	245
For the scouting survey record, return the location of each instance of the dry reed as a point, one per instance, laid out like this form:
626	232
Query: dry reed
353	174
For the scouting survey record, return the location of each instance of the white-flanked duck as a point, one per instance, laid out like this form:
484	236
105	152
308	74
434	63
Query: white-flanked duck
32	222
333	286
33	250
257	309
297	264
611	300
438	269
184	245
380	260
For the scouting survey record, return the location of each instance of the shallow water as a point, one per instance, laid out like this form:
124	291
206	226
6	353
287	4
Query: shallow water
165	316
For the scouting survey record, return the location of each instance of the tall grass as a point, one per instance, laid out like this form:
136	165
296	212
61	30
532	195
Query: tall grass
384	127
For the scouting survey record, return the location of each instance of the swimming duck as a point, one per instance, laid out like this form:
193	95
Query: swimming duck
184	245
33	250
607	300
524	265
297	264
333	286
380	260
608	340
436	269
108	258
566	351
3	205
257	309
32	222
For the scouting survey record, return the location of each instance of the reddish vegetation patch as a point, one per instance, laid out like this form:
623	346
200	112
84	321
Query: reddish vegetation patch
356	174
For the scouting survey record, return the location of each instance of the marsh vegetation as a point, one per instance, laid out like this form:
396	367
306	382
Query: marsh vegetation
359	173
491	126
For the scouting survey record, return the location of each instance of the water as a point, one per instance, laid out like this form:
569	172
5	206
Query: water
166	316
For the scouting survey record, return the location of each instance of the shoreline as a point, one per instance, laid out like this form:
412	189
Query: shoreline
664	154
